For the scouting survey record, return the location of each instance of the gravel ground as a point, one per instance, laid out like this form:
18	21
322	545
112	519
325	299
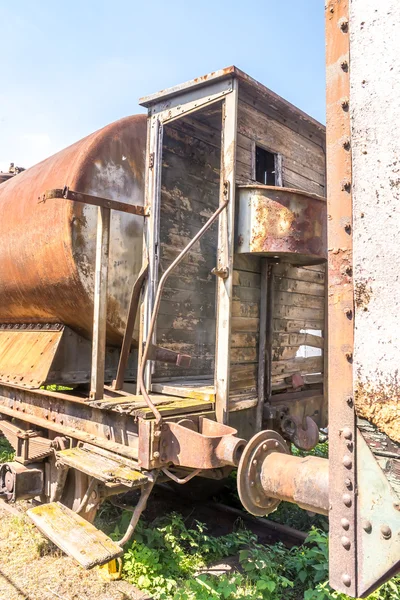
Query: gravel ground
32	568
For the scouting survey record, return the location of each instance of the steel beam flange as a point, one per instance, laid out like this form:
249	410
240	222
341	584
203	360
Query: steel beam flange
250	489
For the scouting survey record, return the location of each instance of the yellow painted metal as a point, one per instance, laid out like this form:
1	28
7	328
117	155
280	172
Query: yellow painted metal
111	571
26	355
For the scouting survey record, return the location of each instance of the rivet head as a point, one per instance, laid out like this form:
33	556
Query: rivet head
345	105
349	401
344	25
276	444
348	483
347	500
264	447
367	526
255	462
347	433
386	532
345	523
346	579
252	484
344	65
347	462
346	543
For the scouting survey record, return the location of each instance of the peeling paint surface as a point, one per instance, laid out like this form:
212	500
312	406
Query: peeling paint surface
375	122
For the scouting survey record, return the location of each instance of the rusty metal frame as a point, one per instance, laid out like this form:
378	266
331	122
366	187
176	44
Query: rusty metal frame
67	194
342	424
105	205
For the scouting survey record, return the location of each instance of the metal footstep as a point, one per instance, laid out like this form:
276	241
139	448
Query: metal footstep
73	535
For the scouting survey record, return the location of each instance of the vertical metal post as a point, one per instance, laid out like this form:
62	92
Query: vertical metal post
342	425
152	227
100	304
225	254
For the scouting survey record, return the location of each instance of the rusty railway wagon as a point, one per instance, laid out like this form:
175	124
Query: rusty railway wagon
163	317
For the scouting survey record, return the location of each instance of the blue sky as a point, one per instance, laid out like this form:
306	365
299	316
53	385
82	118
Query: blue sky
68	68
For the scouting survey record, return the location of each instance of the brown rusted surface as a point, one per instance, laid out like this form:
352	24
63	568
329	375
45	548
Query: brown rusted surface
302	481
378	401
26	355
207	445
47	249
342	482
282	222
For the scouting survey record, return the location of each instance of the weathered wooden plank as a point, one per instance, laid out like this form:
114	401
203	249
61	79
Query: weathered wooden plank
246	294
310	364
244	355
300	273
246	262
284	284
245	324
244	340
270	108
300	300
257	126
297	339
295	326
246	279
74	535
295	312
245	309
291	179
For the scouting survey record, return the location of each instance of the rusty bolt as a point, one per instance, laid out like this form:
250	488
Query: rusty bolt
344	25
348	312
345	104
346	542
386	532
265	447
255	462
346	141
348	484
347	500
349	356
346	185
347	433
252	484
347	462
347	228
349	401
346	579
367	526
344	65
345	523
156	455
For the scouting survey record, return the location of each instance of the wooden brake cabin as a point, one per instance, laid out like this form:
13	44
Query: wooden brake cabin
255	334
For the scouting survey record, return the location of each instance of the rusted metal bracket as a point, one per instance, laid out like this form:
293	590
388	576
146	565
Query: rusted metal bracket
130	325
169	356
68	194
193	443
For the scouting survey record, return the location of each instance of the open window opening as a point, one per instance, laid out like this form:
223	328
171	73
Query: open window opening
266	167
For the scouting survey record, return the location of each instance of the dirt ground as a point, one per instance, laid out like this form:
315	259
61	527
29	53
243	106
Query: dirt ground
32	568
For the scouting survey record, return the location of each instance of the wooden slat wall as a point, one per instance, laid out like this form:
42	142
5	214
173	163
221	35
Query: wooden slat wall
299	298
189	196
245	326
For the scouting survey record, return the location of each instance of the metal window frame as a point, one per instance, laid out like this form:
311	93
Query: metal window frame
161	113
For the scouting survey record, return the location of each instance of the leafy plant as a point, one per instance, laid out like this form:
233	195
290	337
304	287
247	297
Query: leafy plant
6	450
170	561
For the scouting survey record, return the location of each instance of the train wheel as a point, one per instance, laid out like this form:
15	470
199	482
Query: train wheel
75	488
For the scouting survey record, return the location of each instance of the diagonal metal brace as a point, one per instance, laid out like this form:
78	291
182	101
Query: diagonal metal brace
130	325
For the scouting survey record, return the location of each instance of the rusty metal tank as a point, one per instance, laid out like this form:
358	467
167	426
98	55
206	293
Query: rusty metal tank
47	250
281	222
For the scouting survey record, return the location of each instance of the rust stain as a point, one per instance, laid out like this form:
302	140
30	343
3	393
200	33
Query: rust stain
378	401
362	294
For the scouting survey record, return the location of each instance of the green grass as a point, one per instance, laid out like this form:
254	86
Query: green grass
169	561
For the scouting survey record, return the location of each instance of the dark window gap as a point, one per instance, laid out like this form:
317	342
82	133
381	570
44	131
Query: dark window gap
265	166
